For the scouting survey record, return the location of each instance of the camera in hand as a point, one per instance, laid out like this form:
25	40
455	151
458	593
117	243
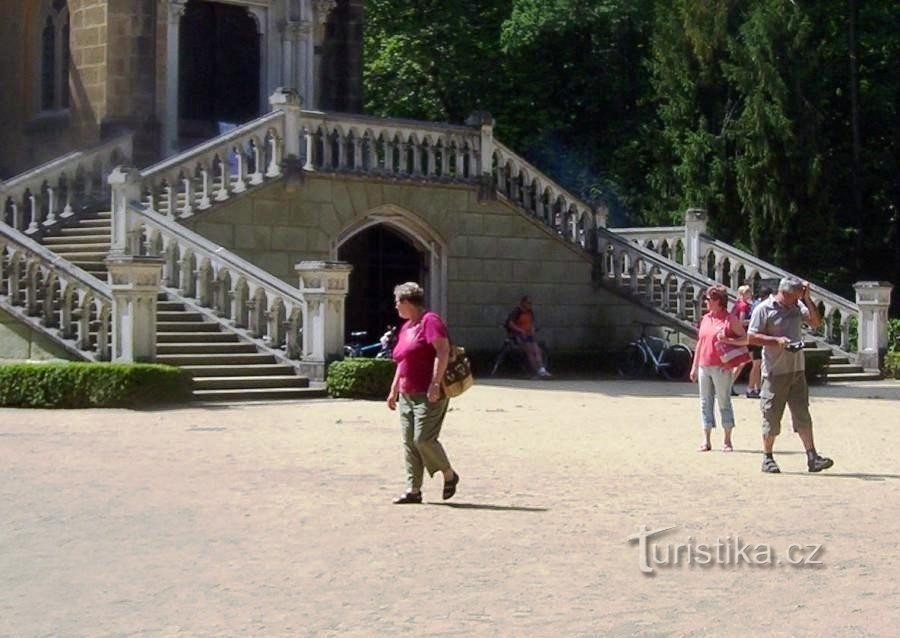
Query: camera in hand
794	346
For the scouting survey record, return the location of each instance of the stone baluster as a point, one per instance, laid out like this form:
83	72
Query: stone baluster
204	201
323	289
240	184
83	339
293	347
310	148
169	199
51	206
222	192
32	305
34	226
274	169
681	301
430	161
389	145
874	300
342	163
187	209
403	163
327	151
256	177
13	278
694	226
66	311
373	145
67	208
416	148
445	159
17	221
720	271
358	154
104	351
460	161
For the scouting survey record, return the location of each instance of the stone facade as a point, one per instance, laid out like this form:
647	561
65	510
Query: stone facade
494	253
120	70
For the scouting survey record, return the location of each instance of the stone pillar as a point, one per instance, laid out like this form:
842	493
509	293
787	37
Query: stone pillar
288	101
694	226
170	125
873	299
323	287
125	184
484	121
134	282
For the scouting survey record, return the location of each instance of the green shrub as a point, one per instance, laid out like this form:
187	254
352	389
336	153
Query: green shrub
360	378
893	335
91	385
892	365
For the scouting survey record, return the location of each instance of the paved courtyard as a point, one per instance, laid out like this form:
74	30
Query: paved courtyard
275	520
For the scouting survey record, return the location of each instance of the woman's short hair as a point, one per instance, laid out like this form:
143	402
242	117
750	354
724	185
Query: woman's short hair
719	293
743	290
411	292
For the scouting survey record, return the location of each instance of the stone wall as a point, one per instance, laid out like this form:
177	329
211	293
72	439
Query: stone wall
19	342
495	254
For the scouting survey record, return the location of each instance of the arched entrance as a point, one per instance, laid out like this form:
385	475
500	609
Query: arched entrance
220	68
382	258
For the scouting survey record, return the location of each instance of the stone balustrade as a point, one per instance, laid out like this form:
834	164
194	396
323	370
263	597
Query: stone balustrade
732	267
56	191
66	303
527	187
335	142
243	294
216	170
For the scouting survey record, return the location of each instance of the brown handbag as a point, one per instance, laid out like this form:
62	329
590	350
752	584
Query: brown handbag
458	376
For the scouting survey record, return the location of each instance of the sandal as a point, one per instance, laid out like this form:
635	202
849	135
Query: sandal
704	447
727	448
408	498
769	466
450	486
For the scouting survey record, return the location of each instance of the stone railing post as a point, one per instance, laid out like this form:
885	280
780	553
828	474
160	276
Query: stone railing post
289	102
134	281
873	299
323	288
694	226
125	184
485	122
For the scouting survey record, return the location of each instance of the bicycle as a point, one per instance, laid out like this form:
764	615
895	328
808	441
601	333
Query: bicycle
670	360
382	349
511	348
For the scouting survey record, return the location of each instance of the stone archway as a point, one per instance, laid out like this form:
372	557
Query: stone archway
401	246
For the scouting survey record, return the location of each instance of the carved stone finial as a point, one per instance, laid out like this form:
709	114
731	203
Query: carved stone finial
480	118
176	9
285	97
323	8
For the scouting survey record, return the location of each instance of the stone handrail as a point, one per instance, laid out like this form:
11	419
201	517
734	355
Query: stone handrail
526	186
732	267
216	170
58	190
669	286
245	295
63	301
342	142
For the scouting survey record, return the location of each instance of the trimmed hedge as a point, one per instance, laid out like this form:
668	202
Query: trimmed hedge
892	365
91	385
360	378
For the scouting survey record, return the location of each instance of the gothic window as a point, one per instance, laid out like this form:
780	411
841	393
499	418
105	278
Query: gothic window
55	57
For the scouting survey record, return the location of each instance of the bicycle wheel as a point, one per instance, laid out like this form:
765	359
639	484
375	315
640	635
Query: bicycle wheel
675	363
632	361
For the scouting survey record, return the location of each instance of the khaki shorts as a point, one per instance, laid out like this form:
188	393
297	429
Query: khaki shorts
784	389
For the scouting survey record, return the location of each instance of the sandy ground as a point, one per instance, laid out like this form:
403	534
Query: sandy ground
275	520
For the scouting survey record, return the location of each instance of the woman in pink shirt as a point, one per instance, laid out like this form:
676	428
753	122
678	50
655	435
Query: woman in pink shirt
713	379
421	354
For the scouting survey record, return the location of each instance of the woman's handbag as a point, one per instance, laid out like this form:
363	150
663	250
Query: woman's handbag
458	376
732	356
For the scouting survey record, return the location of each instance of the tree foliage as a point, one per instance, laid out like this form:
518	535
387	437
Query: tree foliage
777	116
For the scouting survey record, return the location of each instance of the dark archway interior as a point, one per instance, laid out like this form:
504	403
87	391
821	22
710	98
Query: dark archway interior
219	70
381	258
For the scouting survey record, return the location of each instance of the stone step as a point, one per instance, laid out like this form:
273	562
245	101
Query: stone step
844	368
205	348
95	222
186	326
77	243
181	316
169	306
257	369
248	382
78	231
196	337
854	376
259	394
75	253
836	360
237	359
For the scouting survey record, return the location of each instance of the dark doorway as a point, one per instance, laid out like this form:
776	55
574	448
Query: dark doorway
381	259
219	70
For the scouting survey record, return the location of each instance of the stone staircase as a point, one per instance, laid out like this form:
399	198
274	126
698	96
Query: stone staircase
223	365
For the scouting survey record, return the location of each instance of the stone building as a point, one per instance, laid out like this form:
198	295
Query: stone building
176	72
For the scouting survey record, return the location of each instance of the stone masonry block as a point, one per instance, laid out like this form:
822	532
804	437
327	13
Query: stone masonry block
527	272
470	269
318	189
359	198
342	203
469	223
483	247
253	237
499	225
290	238
270	213
222	234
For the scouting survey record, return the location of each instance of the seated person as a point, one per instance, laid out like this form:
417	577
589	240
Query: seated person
520	328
